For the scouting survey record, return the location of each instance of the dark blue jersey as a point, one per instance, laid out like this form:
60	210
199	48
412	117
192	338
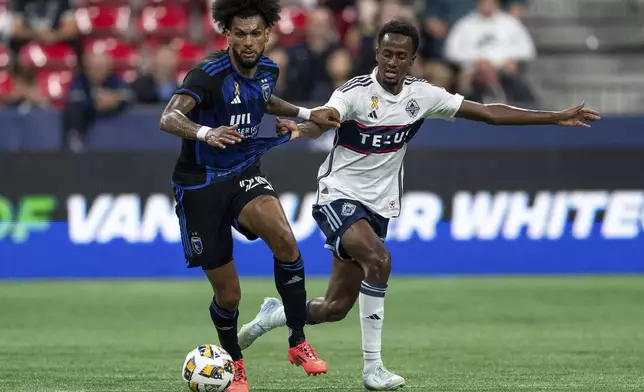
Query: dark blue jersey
225	97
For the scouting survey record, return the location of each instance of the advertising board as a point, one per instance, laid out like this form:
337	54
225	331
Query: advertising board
464	212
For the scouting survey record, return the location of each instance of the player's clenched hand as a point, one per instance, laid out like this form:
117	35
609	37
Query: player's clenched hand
223	136
577	117
282	127
326	118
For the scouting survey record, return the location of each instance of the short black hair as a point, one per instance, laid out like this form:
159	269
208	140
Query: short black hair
403	28
223	11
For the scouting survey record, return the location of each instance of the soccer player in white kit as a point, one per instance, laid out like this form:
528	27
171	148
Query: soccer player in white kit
360	184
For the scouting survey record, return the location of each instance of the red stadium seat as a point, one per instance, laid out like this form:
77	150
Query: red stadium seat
165	2
291	27
6	83
4	57
124	56
212	36
209	27
54	85
55	56
189	53
104	21
219	42
163	22
87	3
345	20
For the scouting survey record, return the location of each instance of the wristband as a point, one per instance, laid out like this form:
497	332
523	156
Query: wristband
304	114
201	133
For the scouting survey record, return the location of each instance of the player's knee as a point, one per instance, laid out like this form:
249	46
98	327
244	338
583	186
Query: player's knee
378	263
228	296
284	246
337	310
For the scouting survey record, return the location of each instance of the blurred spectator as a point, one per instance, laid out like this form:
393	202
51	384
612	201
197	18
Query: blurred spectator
336	5
159	83
339	69
440	17
490	46
516	8
24	93
95	93
280	58
360	39
42	21
306	73
5	25
372	14
300	3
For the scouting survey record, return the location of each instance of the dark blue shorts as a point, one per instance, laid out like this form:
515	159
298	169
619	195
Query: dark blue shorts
336	217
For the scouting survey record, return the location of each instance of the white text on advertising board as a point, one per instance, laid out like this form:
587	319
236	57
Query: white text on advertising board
474	216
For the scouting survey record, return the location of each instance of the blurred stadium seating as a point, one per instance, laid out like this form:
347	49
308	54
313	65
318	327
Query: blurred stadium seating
588	50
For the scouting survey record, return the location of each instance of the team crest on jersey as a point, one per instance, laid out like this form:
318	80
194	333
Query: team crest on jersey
266	91
196	243
412	108
348	209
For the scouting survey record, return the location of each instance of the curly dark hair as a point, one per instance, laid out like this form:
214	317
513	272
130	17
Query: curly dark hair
223	11
403	28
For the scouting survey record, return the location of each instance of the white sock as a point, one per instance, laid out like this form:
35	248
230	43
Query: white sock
372	315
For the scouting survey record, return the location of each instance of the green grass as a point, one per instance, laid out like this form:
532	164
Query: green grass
508	334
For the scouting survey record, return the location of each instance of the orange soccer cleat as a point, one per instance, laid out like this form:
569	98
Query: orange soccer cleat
304	355
240	382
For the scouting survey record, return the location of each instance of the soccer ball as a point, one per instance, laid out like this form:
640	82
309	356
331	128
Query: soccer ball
208	368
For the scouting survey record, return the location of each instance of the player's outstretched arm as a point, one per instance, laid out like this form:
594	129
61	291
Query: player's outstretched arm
307	129
499	114
174	121
279	107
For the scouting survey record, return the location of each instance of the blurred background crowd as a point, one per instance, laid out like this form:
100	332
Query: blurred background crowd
96	58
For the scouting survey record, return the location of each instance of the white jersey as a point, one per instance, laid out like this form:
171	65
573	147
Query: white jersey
366	162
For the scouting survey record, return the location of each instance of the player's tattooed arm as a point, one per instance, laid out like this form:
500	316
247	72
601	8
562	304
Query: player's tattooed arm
279	107
499	114
175	121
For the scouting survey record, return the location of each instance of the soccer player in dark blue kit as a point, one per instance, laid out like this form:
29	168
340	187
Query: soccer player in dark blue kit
217	179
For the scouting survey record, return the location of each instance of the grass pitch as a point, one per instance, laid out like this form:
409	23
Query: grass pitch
507	334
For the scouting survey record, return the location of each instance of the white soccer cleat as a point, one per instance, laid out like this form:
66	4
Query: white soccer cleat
378	378
270	316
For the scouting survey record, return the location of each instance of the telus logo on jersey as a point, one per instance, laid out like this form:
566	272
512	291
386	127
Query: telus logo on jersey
379	139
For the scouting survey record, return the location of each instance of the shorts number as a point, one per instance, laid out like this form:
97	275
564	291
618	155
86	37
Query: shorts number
251	183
